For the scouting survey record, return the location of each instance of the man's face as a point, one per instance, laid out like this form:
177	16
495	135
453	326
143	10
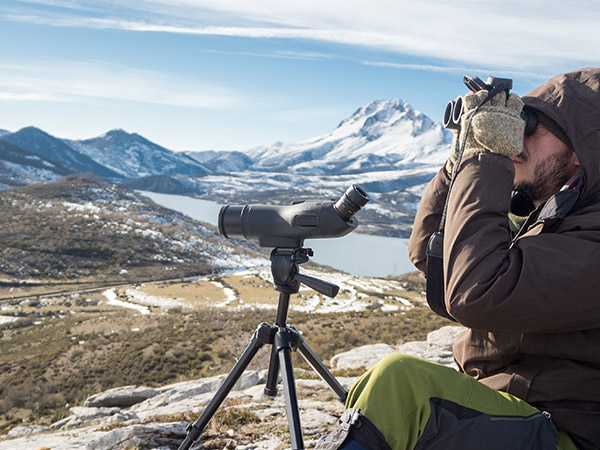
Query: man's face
544	166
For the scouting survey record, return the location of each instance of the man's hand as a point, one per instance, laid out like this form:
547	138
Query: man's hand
496	127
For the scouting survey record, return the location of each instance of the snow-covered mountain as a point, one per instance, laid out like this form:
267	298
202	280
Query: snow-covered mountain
381	135
19	166
56	150
222	162
133	156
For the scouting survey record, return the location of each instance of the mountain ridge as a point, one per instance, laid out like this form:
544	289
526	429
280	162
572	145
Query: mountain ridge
387	145
377	136
134	156
55	149
25	166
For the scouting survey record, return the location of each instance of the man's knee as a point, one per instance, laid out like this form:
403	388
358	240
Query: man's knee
399	365
395	374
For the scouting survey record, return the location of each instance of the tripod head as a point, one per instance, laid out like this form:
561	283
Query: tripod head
286	275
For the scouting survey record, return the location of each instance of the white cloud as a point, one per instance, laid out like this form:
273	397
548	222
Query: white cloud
459	70
534	36
65	81
306	56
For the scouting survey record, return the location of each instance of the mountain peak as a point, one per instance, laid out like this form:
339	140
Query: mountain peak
381	135
119	136
31	130
119	133
381	111
132	155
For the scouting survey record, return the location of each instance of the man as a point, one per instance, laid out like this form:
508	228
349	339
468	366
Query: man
525	283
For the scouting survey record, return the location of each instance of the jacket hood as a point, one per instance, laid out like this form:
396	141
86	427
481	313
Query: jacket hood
572	100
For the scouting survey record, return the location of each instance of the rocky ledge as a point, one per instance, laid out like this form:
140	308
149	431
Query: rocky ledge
133	417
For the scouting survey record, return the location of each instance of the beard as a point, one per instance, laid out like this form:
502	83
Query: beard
549	176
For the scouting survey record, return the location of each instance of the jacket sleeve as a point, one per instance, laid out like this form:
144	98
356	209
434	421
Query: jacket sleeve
544	282
427	219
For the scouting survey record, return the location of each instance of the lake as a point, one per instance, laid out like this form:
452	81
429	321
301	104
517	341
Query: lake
358	254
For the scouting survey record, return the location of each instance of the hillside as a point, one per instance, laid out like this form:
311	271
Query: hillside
141	417
81	230
20	167
57	351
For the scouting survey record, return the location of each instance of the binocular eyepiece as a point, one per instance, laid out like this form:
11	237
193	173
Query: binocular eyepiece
288	226
454	108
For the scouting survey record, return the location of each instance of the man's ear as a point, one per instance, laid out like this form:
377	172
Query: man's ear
575	159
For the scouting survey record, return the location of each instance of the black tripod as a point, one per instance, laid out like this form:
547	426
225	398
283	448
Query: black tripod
284	339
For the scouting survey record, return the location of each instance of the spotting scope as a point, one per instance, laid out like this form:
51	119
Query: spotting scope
288	226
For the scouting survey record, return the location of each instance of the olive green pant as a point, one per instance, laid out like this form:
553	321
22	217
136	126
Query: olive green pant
420	404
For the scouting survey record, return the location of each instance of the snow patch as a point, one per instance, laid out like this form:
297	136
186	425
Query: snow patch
112	299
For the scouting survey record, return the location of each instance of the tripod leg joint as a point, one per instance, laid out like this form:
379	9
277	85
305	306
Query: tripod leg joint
265	333
287	337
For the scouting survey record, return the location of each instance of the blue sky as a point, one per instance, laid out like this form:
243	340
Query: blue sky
231	75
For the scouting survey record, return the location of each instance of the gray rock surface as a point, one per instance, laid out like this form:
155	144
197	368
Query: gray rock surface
365	356
24	431
121	396
437	348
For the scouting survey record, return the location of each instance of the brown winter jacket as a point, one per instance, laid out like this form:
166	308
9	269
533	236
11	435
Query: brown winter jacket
533	307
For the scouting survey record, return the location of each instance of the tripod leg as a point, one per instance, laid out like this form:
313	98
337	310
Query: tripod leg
318	366
272	374
280	320
263	335
283	340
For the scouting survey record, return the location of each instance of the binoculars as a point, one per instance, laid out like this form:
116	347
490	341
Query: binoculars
454	108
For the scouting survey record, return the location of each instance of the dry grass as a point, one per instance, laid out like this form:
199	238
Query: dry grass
60	351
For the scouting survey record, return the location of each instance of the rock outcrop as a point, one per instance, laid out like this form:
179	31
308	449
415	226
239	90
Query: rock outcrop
437	348
141	417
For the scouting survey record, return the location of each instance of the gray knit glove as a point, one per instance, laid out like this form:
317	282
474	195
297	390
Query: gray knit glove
454	151
497	127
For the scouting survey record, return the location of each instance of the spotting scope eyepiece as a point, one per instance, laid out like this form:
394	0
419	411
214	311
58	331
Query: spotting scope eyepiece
288	226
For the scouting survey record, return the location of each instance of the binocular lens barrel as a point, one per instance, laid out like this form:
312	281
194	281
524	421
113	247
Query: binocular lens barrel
457	111
452	113
351	202
448	115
